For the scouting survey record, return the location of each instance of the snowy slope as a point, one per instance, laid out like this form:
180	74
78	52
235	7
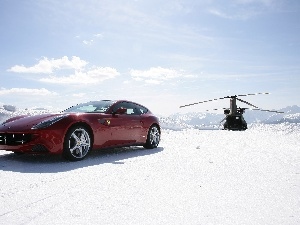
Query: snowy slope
194	177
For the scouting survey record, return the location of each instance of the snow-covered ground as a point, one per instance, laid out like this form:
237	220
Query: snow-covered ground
194	177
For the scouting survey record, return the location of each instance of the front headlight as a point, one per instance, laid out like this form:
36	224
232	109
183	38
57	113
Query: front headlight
48	123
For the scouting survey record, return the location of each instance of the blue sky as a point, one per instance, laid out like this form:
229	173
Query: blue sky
162	54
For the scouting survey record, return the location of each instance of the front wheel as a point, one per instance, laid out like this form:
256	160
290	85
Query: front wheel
153	137
77	143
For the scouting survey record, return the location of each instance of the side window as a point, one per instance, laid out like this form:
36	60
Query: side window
141	110
131	108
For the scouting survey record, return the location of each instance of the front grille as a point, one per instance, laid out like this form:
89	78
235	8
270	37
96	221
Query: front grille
14	138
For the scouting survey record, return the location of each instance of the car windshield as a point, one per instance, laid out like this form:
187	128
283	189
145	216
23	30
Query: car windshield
91	107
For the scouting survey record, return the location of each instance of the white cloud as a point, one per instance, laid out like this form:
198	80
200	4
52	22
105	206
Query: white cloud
88	42
218	13
49	66
26	91
90	39
98	36
157	75
81	74
92	76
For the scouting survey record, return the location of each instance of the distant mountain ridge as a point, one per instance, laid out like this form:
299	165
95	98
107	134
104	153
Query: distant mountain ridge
205	120
200	120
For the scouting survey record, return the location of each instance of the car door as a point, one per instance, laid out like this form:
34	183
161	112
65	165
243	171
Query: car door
112	130
125	126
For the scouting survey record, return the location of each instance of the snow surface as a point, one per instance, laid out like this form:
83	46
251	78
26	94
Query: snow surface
193	177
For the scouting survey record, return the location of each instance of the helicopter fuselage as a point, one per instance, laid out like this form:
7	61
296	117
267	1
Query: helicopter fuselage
235	122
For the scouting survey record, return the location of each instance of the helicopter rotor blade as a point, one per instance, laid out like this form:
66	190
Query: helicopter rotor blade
235	96
215	99
248	103
215	109
259	93
267	110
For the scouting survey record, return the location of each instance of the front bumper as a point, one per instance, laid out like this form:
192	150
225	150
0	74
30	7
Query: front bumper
40	141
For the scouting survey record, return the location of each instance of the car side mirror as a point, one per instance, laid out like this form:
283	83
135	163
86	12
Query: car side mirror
120	111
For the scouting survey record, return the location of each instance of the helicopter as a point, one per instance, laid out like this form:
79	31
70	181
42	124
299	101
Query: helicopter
234	119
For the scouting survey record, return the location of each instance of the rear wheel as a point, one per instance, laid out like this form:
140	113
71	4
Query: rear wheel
153	137
77	143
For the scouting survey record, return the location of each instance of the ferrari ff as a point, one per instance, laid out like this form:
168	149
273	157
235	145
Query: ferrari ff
81	128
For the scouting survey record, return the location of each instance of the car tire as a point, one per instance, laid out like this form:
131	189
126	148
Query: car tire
77	143
153	137
19	153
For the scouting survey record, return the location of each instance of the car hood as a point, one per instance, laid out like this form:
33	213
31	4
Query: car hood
21	123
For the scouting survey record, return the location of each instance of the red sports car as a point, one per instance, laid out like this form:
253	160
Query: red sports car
77	130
